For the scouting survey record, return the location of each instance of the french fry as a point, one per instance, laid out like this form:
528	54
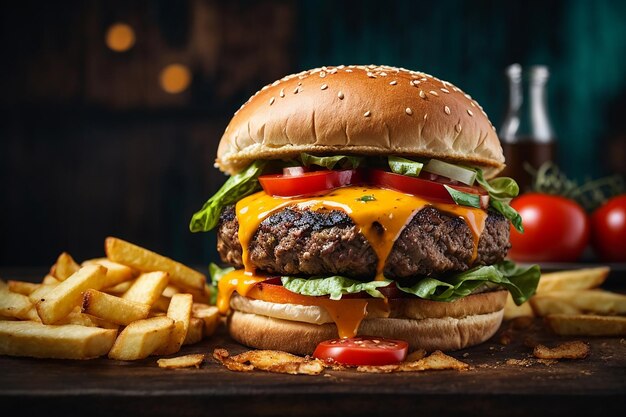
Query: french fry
179	310
27	338
64	267
147	288
13	304
586	325
577	279
574	349
145	260
113	309
141	338
49	280
60	301
116	273
186	361
22	287
512	310
209	315
170	290
161	304
579	301
40	292
78	318
119	289
194	332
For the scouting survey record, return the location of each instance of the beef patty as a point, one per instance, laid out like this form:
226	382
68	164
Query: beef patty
303	242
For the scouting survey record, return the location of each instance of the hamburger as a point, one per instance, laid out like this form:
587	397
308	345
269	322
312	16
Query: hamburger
363	200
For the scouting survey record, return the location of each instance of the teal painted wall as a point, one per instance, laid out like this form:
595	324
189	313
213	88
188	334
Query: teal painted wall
469	43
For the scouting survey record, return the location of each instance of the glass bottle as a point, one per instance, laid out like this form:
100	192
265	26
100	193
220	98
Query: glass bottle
526	133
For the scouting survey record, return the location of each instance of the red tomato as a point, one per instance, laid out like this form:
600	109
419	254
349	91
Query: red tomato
362	350
608	230
556	229
433	190
307	182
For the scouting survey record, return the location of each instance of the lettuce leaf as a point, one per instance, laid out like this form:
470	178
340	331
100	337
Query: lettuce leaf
234	189
334	286
501	190
521	282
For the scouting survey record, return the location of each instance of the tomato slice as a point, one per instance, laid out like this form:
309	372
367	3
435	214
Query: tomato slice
433	190
308	182
362	350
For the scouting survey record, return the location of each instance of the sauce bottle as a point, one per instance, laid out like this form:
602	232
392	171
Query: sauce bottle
526	134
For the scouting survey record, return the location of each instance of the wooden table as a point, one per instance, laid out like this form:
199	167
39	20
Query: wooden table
504	381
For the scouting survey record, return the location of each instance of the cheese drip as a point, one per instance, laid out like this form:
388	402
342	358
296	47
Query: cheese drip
381	219
347	314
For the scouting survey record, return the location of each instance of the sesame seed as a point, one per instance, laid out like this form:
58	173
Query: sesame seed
446	109
493	127
444	90
282	92
470	112
416	82
472	103
348	70
409	111
272	100
433	92
322	74
423	79
394	82
340	95
332	71
383	74
422	94
371	75
457	128
425	116
367	114
324	86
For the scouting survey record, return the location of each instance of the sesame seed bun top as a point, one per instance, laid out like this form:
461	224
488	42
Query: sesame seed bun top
365	110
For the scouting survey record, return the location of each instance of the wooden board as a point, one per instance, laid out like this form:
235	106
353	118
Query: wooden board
494	386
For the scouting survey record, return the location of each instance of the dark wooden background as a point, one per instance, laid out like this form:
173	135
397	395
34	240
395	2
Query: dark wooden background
91	146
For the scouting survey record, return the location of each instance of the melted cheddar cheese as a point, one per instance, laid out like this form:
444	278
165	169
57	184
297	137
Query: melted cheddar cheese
380	220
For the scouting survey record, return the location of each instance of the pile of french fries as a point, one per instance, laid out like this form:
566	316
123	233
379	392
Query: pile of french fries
130	305
573	304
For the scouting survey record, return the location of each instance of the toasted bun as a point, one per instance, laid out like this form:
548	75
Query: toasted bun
451	326
368	110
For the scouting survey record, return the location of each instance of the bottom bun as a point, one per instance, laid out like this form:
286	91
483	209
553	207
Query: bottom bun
443	333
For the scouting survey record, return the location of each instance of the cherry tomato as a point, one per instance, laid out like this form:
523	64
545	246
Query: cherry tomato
433	190
307	182
608	230
362	350
556	229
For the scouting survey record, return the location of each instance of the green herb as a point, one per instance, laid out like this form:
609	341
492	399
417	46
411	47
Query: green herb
404	166
334	286
330	162
463	199
591	194
234	189
520	282
366	198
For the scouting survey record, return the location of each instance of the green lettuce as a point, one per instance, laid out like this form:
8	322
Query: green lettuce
334	286
234	189
521	282
501	190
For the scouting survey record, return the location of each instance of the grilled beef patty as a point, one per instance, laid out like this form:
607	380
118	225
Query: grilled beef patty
303	242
